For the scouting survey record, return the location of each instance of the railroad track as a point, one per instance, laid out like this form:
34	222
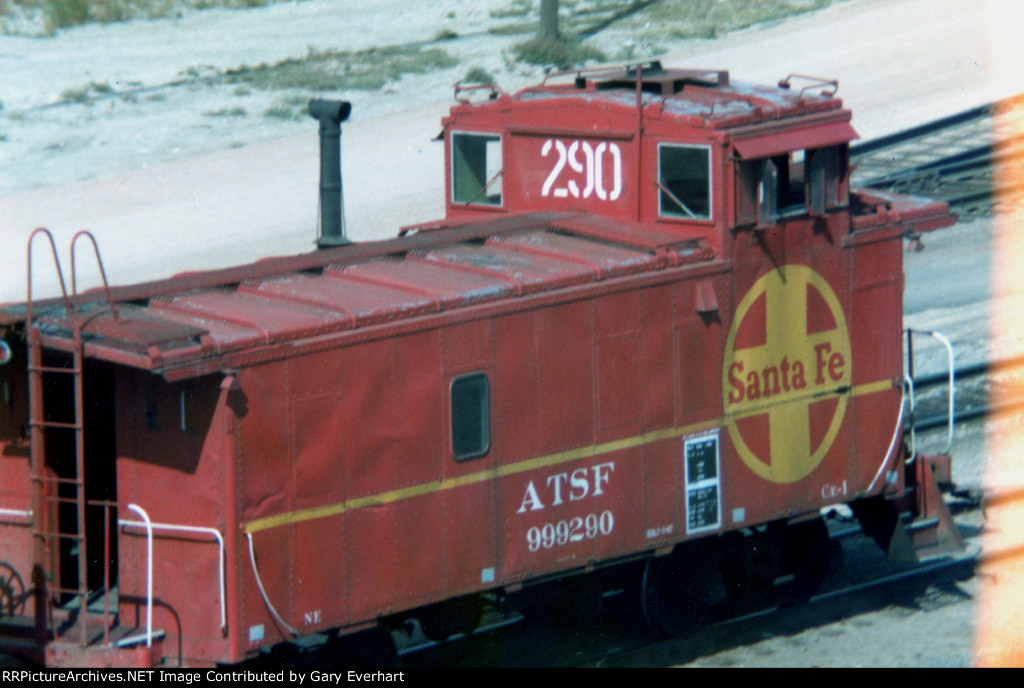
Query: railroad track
975	384
916	587
972	160
866	582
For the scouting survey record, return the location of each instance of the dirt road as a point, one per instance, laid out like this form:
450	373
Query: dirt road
166	188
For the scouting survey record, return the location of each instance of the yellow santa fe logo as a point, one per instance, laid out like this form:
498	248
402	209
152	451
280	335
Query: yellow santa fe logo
785	385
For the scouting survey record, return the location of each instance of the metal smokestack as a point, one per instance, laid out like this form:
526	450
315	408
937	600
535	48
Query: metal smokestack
331	114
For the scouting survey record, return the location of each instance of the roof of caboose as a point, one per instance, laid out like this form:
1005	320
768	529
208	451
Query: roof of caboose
200	323
694	97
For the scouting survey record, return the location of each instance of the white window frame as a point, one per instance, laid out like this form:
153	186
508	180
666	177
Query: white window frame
492	178
675	212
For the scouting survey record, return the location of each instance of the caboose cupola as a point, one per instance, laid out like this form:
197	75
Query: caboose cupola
689	150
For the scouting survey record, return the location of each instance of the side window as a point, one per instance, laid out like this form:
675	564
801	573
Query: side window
476	168
684	180
471	416
757	200
769	190
811	181
824	180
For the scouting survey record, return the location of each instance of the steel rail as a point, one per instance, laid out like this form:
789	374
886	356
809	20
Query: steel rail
969	372
951	158
967	563
929	128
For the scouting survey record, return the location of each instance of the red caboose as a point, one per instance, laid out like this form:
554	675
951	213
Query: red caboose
655	315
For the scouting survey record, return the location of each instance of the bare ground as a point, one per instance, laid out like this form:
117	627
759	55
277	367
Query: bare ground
174	171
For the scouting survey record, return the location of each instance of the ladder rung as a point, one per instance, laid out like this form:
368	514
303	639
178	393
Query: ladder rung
54	369
59	481
60	536
62	500
67	591
54	424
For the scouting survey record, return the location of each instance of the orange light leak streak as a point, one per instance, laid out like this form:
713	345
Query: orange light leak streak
1000	625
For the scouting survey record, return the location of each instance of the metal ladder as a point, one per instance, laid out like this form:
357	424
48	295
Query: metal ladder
48	534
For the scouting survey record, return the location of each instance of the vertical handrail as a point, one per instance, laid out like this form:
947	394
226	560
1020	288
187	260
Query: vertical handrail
263	591
38	422
42	553
639	138
908	385
952	375
80	430
892	443
81	540
149	571
28	273
107	506
99	262
173	527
